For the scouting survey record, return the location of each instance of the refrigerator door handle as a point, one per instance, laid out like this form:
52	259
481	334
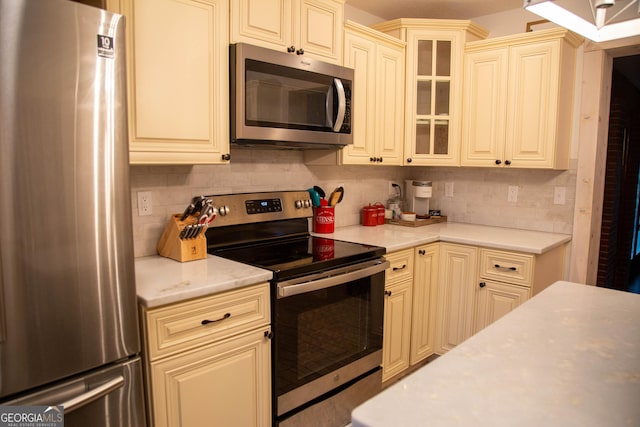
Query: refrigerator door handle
92	395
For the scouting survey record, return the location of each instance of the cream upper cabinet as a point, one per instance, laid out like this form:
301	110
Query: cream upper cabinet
434	68
423	318
456	295
208	360
178	80
378	61
306	27
519	100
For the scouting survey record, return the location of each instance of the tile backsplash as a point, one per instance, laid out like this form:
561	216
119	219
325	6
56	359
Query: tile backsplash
479	197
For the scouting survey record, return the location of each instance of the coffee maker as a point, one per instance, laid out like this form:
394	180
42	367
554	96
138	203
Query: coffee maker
417	194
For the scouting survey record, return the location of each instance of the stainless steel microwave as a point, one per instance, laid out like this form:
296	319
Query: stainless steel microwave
288	100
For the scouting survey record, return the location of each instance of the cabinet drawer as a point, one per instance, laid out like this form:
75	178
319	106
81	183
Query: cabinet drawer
506	266
401	267
183	326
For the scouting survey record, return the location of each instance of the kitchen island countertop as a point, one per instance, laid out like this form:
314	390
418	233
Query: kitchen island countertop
570	356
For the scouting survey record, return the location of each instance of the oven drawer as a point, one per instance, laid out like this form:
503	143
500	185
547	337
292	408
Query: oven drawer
401	267
182	326
506	266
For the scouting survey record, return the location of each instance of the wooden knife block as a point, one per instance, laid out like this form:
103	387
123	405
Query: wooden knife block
171	246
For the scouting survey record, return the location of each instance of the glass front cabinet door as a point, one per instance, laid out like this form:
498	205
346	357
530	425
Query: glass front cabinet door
434	68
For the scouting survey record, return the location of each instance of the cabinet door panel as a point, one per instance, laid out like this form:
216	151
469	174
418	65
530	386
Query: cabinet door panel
320	29
484	109
223	384
178	88
397	330
390	103
497	299
360	55
269	21
456	293
423	321
533	95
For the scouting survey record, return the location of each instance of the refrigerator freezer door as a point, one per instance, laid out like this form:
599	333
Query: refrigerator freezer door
108	397
67	284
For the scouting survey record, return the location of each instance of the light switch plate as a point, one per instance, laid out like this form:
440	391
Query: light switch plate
512	194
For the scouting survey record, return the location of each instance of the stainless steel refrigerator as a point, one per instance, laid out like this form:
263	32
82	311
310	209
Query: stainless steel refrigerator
68	324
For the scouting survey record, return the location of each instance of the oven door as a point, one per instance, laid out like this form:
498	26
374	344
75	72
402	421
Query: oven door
328	331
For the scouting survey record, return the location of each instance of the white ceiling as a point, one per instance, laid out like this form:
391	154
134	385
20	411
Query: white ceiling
437	9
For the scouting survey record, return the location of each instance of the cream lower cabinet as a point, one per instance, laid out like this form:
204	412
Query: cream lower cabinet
518	96
456	295
477	286
507	279
378	61
307	27
208	360
410	308
424	307
396	345
178	80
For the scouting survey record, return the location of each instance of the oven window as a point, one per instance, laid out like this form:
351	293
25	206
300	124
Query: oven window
320	331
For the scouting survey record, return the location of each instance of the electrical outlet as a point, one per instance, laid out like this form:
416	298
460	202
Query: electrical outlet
144	203
559	195
448	189
512	194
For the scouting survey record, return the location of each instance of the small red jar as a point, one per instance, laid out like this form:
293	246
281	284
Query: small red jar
370	216
380	207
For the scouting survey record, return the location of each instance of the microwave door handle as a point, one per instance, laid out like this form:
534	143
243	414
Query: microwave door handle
342	106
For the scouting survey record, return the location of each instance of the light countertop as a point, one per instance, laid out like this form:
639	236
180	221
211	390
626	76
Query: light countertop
569	356
397	237
162	280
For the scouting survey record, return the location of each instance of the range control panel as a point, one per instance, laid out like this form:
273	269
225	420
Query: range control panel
244	208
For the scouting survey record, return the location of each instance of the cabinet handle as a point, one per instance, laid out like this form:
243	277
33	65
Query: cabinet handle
422	252
409	160
226	316
291	49
268	334
387	293
483	284
498	162
226	157
300	52
507	162
505	268
400	268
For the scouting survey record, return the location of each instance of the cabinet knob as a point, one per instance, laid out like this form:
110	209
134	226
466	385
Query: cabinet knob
507	162
300	52
372	159
409	160
268	334
422	252
498	162
483	284
226	156
387	293
291	49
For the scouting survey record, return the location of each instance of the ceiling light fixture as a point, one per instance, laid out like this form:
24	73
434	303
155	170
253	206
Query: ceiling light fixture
600	30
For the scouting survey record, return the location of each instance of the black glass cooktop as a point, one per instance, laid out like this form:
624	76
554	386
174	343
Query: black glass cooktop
293	257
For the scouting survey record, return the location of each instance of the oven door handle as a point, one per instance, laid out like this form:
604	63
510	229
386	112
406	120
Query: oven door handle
295	287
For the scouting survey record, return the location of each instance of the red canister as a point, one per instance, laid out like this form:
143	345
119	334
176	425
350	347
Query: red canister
370	215
380	207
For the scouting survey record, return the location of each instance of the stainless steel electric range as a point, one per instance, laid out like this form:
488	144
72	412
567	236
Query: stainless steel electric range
326	304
